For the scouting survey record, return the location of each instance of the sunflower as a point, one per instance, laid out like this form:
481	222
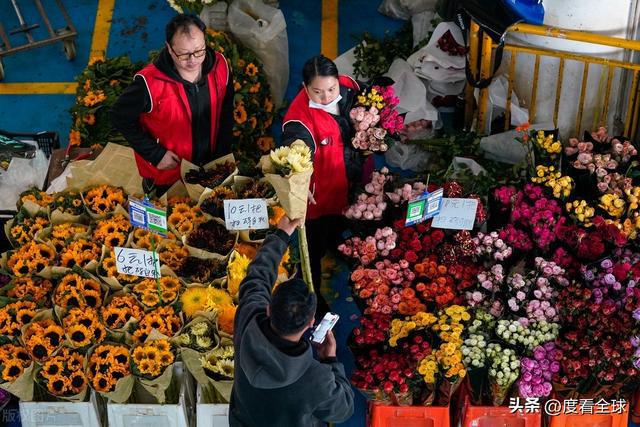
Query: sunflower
251	70
145	366
78	382
12	370
226	367
265	143
166	358
75	362
193	300
239	113
79	335
52	367
103	383
59	385
150	299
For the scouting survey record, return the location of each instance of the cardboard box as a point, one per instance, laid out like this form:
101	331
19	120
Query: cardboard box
156	415
210	414
68	414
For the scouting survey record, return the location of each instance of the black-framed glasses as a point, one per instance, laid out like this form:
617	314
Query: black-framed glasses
185	56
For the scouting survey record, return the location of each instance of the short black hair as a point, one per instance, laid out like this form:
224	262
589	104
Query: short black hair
182	22
292	306
318	66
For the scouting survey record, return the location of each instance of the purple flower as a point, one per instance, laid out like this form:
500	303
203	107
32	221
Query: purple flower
606	263
549	346
636	314
554	367
589	276
539	353
609	279
547	388
635	341
538	390
527	364
544	365
526	376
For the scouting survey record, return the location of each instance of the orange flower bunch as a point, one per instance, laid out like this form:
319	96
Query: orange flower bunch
112	232
120	310
184	217
24	227
42	339
108	268
14	360
68	202
67	230
92	98
31	258
104	199
31	288
152	358
226	316
275	215
173	255
80	252
15	315
107	364
75	291
36	196
82	327
142	238
64	374
147	291
163	319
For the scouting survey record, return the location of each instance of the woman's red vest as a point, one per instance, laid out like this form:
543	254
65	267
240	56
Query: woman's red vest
329	184
169	120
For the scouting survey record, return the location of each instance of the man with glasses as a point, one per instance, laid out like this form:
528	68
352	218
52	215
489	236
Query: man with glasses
178	107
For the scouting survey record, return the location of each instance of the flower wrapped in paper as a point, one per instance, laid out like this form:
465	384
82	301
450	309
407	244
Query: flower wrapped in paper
63	376
152	367
109	372
17	371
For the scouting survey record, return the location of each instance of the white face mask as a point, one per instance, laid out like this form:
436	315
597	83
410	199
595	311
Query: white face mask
326	107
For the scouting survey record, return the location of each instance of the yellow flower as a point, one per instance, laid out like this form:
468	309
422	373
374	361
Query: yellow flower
217	298
237	271
194	299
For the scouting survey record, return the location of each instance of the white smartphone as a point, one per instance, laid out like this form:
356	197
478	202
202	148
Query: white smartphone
326	324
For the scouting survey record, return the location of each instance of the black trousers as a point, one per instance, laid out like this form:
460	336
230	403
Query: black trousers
323	234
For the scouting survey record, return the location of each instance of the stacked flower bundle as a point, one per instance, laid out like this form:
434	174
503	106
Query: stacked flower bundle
375	119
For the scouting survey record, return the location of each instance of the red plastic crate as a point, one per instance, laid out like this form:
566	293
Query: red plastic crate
589	420
409	416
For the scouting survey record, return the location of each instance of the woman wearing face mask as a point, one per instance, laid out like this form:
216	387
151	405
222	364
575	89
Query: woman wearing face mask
319	115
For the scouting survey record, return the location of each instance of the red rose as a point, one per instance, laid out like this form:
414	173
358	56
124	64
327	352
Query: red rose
621	271
415	245
411	256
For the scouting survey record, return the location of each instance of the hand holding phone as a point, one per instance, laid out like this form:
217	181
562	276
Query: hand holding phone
326	324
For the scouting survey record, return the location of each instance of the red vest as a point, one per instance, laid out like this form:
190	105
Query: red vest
329	183
169	120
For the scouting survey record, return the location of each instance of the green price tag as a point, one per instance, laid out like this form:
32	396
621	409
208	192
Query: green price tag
415	211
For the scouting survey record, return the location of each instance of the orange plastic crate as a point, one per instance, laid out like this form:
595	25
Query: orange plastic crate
498	416
409	416
589	420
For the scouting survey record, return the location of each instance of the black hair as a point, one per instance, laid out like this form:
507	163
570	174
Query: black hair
182	23
292	307
318	66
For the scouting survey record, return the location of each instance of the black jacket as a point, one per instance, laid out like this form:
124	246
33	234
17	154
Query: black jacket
353	159
279	383
135	100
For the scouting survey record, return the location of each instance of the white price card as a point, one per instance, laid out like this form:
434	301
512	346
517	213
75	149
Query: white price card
246	214
456	214
137	262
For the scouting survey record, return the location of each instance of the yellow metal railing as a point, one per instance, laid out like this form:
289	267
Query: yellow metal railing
481	57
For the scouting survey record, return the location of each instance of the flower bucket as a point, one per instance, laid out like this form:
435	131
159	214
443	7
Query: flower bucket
497	416
409	416
579	419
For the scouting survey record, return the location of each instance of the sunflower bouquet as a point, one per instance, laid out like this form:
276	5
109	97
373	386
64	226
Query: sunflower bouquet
83	327
15	315
23	228
108	271
103	200
163	319
142	239
210	240
63	375
31	289
16	371
120	311
42	337
183	218
236	272
78	291
151	294
59	235
218	368
212	201
108	371
214	174
34	200
204	299
113	231
82	253
173	254
203	271
67	207
152	365
31	258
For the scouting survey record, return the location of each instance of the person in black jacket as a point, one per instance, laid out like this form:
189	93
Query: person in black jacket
277	382
181	106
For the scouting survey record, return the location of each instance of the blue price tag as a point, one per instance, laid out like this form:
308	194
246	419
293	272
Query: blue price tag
434	203
137	214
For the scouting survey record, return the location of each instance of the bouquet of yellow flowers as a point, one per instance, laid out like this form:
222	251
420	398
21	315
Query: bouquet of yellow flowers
121	310
109	371
63	375
152	367
16	371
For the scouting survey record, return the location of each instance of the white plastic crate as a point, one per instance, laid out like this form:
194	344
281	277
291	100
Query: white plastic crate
68	414
211	414
156	415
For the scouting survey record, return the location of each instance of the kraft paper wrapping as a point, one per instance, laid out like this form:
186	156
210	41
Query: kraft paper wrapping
292	192
22	387
195	190
114	166
158	386
124	386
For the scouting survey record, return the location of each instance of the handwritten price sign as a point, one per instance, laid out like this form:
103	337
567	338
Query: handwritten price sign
246	214
137	262
456	214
